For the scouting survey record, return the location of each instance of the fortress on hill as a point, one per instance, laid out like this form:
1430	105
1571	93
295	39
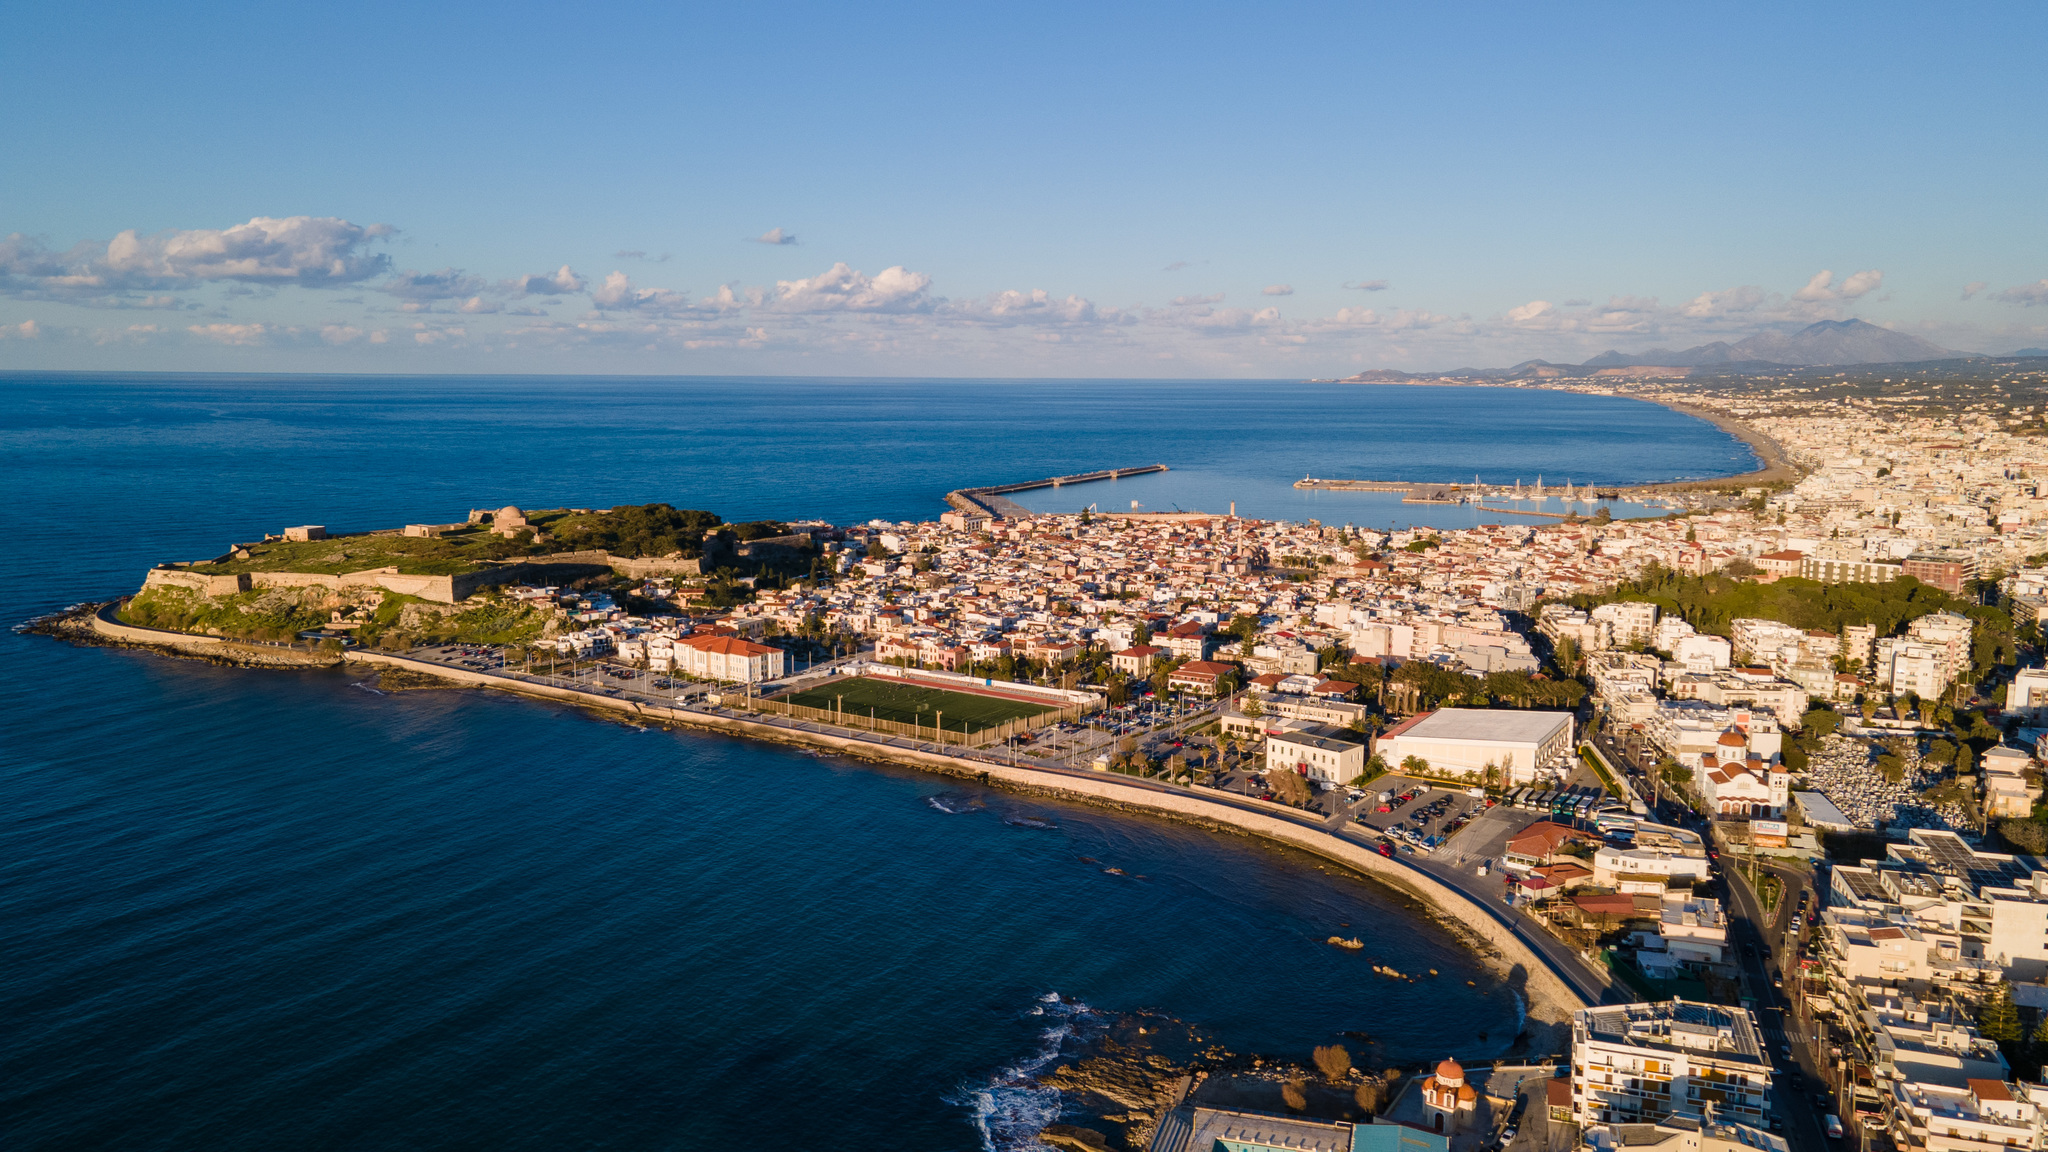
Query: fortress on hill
445	563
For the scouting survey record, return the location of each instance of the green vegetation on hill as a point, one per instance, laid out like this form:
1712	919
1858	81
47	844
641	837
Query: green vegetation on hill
275	614
457	552
908	703
283	613
632	530
1710	603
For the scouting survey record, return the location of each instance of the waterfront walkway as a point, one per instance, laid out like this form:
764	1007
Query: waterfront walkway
1557	977
1472	905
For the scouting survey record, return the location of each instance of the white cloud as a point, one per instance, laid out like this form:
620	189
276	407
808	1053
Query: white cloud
2027	294
1819	288
1191	301
1368	285
618	293
341	333
26	330
447	284
1213	321
1971	289
1728	302
1176	266
1533	314
1034	307
773	236
842	289
242	335
562	281
310	251
1277	290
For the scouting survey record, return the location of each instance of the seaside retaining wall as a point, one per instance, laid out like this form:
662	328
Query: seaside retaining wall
1549	997
115	630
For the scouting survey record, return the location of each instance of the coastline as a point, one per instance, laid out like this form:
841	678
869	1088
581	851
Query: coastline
1549	996
1777	467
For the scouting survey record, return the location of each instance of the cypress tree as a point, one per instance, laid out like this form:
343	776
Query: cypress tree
1999	1020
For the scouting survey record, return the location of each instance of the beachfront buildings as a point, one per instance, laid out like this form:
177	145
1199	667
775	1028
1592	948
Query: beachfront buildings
1641	1063
1519	746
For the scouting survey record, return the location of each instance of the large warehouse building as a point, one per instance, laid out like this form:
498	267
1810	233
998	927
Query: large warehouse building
1525	745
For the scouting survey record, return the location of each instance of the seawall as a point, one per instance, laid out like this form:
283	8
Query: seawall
103	623
1550	997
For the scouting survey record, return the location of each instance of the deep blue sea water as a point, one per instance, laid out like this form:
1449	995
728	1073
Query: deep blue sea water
258	910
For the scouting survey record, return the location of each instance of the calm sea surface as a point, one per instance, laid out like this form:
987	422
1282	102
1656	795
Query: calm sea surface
260	910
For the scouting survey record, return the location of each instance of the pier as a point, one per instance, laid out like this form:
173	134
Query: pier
1458	492
991	501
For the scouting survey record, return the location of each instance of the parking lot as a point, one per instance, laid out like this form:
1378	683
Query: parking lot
1421	815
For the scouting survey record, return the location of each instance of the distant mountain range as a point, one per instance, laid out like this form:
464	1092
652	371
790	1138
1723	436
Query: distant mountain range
1828	342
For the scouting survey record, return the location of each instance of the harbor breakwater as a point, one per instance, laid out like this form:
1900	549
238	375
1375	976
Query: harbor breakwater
992	500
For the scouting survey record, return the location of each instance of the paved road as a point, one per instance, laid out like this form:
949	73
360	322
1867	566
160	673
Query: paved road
1571	967
1749	926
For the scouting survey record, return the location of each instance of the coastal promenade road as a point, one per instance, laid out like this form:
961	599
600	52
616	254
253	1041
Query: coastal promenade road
1560	961
1487	892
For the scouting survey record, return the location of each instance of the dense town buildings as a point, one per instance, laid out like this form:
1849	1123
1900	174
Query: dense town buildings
1641	1063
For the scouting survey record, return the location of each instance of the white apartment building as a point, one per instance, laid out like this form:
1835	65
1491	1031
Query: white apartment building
1703	653
1682	1134
1982	1115
1687	730
1904	666
1641	1063
1693	928
1646	869
2007	791
1615	672
1626	623
1992	907
1766	641
2027	695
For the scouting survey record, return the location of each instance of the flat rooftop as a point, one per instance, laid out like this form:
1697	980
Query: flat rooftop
1489	725
1728	1033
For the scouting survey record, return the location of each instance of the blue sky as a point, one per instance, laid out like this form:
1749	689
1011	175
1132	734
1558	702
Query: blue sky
1051	189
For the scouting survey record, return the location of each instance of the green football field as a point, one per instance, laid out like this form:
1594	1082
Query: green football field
913	703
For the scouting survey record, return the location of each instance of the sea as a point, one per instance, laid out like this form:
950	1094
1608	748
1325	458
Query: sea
255	909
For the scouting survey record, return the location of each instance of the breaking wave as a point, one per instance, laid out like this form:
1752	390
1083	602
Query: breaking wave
1010	1108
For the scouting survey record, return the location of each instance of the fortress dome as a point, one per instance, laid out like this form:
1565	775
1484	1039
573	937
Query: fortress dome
510	512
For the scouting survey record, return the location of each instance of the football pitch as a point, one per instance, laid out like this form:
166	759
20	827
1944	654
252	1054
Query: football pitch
914	703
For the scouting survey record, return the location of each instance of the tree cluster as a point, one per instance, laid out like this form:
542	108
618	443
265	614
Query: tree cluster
635	530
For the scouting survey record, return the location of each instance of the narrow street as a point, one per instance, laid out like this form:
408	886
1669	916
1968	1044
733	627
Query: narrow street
1764	943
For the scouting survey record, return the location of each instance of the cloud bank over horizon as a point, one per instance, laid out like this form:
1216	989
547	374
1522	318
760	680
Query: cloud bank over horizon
273	284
